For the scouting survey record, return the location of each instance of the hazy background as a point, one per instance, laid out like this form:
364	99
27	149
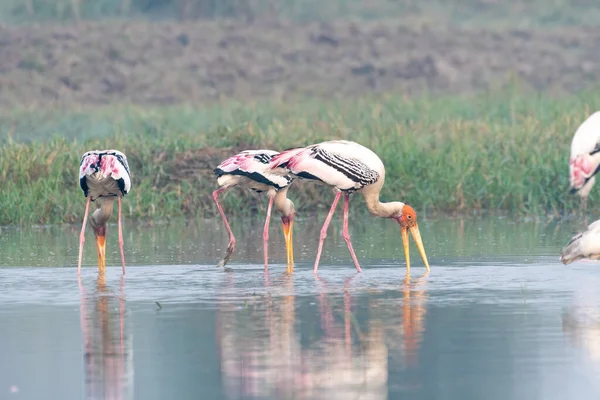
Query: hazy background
471	104
172	51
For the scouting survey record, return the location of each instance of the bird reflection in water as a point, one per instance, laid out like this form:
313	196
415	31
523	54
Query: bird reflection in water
261	353
261	356
108	355
414	297
582	326
340	367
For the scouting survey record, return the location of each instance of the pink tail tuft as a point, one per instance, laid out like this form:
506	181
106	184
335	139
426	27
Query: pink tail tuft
580	169
285	156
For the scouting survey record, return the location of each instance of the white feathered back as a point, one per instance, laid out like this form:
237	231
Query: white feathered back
100	171
587	136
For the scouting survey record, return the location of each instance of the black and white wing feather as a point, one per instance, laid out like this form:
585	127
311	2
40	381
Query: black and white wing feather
346	165
104	173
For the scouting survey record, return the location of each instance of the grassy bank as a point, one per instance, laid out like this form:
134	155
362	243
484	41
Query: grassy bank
500	152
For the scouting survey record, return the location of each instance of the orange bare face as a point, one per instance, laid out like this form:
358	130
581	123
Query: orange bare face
408	218
408	221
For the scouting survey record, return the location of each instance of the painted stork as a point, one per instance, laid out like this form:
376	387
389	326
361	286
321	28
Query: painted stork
103	175
585	157
349	167
585	244
250	169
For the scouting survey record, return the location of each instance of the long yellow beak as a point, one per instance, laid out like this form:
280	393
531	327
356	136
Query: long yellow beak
287	234
417	236
101	250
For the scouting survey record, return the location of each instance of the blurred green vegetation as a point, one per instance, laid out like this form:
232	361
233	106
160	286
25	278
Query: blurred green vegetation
505	152
477	13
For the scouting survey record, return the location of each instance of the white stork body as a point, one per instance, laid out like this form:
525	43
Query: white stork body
583	245
585	157
346	166
349	167
250	169
104	175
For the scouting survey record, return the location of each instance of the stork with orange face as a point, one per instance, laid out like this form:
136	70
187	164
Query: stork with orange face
349	167
346	166
103	176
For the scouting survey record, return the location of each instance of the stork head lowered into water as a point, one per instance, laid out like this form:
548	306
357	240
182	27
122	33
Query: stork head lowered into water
103	176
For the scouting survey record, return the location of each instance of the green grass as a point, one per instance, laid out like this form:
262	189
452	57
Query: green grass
506	152
474	13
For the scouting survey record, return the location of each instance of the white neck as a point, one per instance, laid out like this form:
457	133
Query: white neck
284	205
384	210
102	214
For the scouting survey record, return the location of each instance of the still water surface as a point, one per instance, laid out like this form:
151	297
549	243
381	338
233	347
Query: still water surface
498	317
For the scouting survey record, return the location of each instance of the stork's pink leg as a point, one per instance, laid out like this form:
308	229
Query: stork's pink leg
584	209
266	232
324	229
121	236
82	234
122	321
347	316
346	234
231	246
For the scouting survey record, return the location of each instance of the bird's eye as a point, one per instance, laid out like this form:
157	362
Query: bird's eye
409	217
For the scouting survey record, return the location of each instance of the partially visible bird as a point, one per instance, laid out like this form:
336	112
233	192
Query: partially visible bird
584	162
585	244
349	167
250	169
103	175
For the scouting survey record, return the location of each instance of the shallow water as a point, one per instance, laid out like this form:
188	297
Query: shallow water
498	317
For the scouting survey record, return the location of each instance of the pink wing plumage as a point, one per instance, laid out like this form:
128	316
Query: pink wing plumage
580	169
88	164
254	165
243	161
109	163
342	164
301	163
287	157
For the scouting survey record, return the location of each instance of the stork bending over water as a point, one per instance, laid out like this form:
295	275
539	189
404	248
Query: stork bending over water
584	245
584	162
250	169
349	167
103	176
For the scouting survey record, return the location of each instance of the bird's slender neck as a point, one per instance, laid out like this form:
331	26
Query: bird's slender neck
284	205
101	216
384	210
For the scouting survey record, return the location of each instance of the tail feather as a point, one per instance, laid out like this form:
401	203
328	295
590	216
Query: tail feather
577	177
581	169
281	160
